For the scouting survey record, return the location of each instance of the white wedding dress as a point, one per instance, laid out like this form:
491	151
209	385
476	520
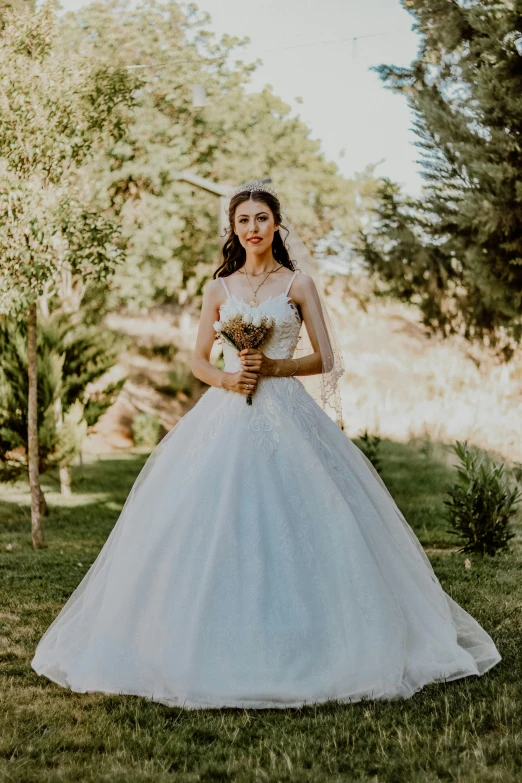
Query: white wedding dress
260	561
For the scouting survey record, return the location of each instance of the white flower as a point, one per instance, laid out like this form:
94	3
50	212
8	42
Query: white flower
256	320
247	317
217	326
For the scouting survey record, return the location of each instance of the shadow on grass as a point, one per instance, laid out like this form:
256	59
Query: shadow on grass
100	489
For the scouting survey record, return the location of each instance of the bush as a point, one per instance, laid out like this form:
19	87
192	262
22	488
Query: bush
481	503
73	357
146	428
166	351
370	446
180	379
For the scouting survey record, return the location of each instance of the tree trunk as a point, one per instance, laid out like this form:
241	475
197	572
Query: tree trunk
44	508
65	480
32	433
65	473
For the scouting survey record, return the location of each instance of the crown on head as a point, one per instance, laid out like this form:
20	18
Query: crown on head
257	184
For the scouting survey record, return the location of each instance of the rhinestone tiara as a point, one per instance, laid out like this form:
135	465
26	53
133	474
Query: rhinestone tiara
257	184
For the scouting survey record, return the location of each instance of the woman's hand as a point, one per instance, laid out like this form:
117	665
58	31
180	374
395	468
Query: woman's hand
243	382
253	360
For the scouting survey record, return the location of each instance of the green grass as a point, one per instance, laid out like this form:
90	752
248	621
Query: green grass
469	730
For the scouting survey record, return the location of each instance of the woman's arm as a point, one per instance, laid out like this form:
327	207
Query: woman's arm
304	294
200	365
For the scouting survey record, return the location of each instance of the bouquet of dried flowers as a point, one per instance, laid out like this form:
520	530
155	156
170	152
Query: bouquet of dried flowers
245	329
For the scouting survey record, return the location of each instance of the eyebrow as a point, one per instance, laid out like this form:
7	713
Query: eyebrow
257	214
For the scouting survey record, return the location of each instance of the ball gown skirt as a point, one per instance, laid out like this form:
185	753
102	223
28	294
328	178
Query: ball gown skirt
259	561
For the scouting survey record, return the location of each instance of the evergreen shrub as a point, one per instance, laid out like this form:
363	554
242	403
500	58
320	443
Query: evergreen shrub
482	503
370	446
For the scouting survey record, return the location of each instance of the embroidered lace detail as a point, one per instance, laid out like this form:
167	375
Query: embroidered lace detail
277	400
263	419
285	335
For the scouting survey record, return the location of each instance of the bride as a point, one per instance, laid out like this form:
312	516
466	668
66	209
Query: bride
259	560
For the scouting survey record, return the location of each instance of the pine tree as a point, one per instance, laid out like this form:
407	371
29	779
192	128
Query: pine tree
460	245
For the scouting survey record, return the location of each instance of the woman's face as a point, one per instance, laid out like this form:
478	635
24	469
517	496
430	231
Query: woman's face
255	226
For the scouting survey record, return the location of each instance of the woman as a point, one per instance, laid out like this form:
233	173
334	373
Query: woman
259	560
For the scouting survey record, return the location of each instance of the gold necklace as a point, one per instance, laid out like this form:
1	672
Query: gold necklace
254	301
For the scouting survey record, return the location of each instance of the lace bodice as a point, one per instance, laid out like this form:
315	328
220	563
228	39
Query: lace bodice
285	334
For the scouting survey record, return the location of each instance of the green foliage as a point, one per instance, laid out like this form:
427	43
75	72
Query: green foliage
100	401
482	503
89	352
58	107
71	357
180	379
8	7
13	397
397	251
370	446
170	228
69	435
166	351
146	429
457	251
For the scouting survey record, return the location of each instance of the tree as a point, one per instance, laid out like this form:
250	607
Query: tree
73	357
464	237
56	108
171	228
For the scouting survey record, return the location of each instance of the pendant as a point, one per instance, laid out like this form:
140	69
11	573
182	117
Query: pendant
253	302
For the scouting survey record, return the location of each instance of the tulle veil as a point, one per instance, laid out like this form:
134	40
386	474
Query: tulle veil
324	388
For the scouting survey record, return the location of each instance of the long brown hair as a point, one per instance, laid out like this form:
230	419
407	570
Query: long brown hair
233	255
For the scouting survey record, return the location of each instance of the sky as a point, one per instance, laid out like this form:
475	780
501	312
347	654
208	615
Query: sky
306	55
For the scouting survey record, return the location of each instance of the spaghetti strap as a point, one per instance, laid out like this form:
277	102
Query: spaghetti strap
290	283
225	287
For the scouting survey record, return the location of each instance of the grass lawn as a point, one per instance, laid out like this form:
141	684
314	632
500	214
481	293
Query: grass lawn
468	730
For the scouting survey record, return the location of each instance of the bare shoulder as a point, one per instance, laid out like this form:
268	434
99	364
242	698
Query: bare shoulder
302	285
213	292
